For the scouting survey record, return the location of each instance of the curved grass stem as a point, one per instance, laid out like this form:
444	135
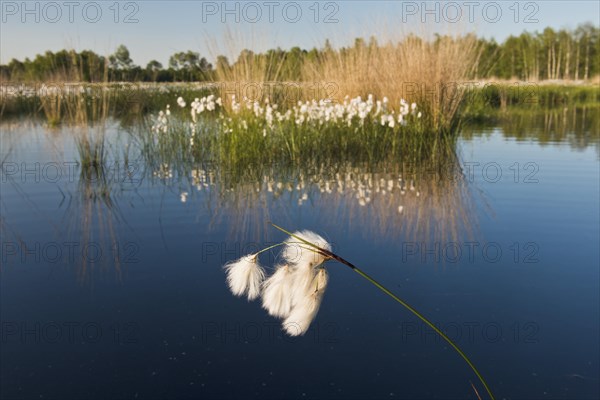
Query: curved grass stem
328	254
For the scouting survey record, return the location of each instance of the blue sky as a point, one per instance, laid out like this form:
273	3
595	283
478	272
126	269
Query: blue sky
157	29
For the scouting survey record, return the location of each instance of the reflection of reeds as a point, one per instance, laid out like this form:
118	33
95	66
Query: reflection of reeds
52	107
393	198
95	213
92	153
415	203
95	226
92	215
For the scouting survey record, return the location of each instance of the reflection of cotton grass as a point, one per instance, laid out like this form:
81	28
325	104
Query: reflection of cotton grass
296	289
163	172
363	188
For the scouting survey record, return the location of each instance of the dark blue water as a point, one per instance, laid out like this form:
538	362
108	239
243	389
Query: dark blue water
119	292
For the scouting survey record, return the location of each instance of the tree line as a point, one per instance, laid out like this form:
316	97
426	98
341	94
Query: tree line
550	54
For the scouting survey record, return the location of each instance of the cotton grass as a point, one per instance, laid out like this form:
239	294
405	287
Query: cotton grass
295	291
245	276
276	288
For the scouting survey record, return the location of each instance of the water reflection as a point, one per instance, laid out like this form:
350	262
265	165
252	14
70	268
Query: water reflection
94	217
60	197
394	197
393	200
579	126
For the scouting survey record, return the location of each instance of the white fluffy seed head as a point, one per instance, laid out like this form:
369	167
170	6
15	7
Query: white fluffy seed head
321	280
305	310
299	253
245	276
295	291
302	277
277	292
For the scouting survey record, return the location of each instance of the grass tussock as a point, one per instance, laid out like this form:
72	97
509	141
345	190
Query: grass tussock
259	133
248	75
434	73
431	73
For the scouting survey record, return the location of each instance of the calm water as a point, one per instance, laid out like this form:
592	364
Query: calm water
122	295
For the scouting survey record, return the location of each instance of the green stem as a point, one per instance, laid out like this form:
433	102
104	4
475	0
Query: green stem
430	324
281	244
333	256
269	248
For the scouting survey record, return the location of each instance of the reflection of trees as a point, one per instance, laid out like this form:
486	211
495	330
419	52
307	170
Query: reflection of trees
578	126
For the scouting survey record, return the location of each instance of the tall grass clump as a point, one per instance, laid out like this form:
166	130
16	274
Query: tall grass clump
73	104
51	105
262	133
248	75
92	153
63	99
432	73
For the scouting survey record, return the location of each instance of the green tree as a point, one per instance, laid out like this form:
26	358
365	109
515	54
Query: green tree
153	68
189	66
120	63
